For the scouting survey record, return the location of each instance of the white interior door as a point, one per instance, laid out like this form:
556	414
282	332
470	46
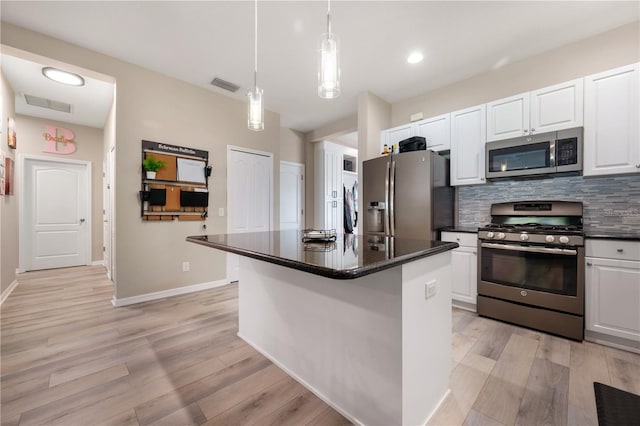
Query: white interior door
291	195
55	213
249	196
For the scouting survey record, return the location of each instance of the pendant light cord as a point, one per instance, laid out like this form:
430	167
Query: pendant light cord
255	52
328	16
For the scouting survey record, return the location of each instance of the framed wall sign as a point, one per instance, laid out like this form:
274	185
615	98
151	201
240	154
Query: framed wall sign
11	132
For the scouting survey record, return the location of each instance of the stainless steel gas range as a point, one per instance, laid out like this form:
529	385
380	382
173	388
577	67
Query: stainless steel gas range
531	266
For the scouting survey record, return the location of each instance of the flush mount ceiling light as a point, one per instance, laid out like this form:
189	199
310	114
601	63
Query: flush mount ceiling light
329	62
255	119
415	58
63	77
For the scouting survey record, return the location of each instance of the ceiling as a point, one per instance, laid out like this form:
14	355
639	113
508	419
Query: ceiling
197	41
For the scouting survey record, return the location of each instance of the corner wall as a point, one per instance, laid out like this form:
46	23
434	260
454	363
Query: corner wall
9	242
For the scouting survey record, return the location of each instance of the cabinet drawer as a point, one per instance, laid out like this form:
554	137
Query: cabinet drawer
465	239
613	249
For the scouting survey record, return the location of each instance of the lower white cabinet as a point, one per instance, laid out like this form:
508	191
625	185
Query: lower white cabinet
464	262
612	284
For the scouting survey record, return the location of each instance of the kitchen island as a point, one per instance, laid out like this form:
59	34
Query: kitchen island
364	322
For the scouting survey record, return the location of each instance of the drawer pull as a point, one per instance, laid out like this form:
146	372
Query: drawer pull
589	263
620	250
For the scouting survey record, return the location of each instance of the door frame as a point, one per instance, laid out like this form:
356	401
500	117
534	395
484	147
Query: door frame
303	216
23	231
230	148
107	214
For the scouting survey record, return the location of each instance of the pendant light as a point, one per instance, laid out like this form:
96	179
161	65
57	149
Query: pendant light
329	62
255	118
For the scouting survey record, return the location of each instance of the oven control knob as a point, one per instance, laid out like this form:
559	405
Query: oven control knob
489	234
524	237
564	240
549	238
500	236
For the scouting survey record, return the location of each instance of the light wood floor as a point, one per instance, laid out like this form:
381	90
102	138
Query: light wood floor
68	357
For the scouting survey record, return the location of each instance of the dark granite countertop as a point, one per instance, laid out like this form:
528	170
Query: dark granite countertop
350	256
612	235
466	229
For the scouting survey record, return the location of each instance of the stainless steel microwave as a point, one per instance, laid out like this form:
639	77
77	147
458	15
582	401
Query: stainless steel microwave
544	153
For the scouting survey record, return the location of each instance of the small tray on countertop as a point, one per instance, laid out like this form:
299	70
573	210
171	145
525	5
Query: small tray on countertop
318	235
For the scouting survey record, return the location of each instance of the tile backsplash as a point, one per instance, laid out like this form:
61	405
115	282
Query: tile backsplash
610	203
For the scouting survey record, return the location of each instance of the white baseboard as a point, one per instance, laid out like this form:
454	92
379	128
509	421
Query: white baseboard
8	291
97	263
167	293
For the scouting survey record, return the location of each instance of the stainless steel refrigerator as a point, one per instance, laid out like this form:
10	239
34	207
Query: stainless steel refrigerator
407	195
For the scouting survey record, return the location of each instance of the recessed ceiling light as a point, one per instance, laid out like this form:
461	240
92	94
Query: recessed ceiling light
415	57
63	77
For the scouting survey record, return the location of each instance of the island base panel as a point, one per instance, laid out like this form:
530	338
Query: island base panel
373	348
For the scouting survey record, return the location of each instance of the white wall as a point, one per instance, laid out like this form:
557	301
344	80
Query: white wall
154	107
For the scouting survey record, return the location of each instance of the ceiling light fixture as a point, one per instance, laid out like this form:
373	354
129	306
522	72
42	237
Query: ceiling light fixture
63	77
415	58
329	62
255	119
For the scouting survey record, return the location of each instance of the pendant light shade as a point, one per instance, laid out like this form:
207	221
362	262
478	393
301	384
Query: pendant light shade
329	62
256	109
255	116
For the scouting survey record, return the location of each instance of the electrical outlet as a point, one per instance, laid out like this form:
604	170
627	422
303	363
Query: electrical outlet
186	266
430	289
221	211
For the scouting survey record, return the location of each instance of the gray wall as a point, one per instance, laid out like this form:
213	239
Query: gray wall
610	203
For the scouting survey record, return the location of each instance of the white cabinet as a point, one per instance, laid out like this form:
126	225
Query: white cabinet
394	135
611	142
545	110
612	290
435	130
329	186
464	262
468	137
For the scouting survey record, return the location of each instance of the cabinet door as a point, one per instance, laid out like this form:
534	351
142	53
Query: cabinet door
464	262
333	215
394	135
557	107
332	174
611	142
612	297
468	137
437	132
508	117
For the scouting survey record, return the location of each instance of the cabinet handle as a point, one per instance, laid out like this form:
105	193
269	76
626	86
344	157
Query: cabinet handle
474	253
637	166
457	239
620	250
589	263
526	131
335	204
533	130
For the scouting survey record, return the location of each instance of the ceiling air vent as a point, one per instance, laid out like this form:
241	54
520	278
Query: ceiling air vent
223	84
47	103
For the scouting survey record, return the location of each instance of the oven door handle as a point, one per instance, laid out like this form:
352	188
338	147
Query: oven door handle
565	252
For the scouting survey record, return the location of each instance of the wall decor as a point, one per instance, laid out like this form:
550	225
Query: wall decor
9	167
58	137
179	189
11	132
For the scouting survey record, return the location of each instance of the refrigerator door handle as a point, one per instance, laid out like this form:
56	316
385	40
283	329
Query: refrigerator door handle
392	196
386	200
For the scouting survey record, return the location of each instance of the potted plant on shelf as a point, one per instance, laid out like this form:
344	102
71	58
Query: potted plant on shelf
152	165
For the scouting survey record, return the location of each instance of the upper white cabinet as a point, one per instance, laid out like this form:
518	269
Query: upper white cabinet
435	130
545	110
394	135
468	138
611	143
